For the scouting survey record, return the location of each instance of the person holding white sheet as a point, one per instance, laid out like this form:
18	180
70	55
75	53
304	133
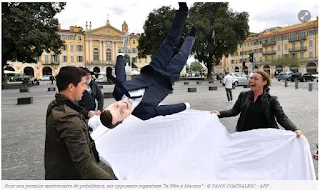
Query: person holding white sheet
257	108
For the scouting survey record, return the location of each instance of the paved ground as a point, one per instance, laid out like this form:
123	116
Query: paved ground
23	126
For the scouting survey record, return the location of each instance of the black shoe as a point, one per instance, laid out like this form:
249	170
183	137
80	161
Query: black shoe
183	6
193	31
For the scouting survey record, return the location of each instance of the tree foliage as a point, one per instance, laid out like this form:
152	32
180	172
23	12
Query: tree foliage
196	66
156	28
290	61
219	30
28	29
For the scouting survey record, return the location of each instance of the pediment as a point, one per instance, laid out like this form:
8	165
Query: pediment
106	30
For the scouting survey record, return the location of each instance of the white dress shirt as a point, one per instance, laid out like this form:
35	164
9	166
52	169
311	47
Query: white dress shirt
228	80
135	101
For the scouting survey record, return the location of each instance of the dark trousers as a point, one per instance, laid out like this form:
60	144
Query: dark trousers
229	93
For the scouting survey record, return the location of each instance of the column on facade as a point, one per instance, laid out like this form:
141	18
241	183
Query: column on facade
100	51
104	51
91	51
87	51
113	51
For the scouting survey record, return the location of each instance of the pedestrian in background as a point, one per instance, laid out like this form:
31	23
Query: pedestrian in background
228	81
90	96
51	78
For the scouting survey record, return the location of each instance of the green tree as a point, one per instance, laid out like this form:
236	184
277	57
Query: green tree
290	61
156	29
28	29
196	66
188	67
219	31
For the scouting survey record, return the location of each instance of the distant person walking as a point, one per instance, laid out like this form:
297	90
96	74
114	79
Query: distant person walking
51	78
228	81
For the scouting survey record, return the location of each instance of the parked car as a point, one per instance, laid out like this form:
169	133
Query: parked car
45	78
239	79
306	77
315	76
23	79
102	79
295	76
284	76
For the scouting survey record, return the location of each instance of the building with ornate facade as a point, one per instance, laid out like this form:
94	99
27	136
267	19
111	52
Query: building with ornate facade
299	40
72	53
95	48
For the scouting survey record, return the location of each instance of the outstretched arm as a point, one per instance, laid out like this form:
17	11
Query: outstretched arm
120	69
282	118
232	112
169	109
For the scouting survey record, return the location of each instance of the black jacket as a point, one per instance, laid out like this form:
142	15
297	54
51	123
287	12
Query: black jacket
271	106
88	99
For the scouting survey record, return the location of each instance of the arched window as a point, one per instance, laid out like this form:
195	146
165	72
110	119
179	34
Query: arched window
95	54
108	53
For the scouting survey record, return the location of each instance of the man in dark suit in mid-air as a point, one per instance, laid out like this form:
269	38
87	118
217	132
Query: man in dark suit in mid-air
141	95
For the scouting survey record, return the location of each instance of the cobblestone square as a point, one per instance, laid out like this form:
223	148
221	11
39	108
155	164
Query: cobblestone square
23	126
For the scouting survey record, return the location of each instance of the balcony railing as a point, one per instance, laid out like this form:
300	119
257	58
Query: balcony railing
269	44
269	52
311	59
100	63
303	48
298	38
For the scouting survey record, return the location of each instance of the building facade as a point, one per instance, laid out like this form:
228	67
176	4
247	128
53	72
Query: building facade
96	49
300	41
72	53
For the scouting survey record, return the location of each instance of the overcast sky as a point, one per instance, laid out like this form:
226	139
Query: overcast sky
263	14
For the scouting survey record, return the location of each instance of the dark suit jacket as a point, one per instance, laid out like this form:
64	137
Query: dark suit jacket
88	100
157	77
155	91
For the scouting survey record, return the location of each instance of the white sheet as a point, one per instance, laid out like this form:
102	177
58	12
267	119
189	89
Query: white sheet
194	145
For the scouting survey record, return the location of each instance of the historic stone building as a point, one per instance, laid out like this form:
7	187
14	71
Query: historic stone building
72	53
299	40
95	48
